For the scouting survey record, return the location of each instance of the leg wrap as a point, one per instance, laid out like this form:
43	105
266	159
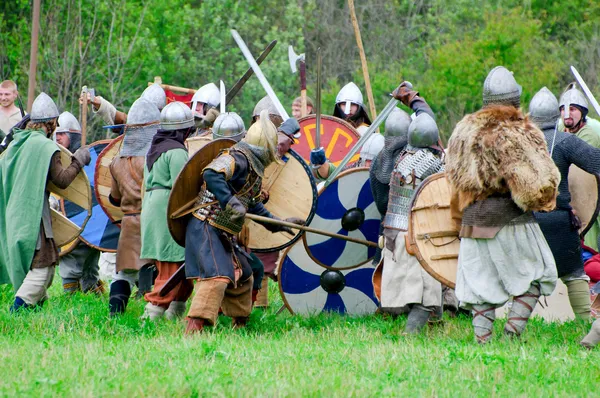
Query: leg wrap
593	337
262	298
207	300
176	310
120	290
579	297
521	310
484	316
237	302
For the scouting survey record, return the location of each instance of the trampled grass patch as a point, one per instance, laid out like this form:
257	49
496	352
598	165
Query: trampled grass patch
72	348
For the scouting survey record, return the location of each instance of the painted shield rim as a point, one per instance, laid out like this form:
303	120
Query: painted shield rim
333	119
115	141
65	151
224	143
342	174
313	208
411	241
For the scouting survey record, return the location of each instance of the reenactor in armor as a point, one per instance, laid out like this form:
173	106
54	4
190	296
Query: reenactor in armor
205	104
286	130
232	187
79	268
405	286
349	106
28	252
165	159
127	172
500	172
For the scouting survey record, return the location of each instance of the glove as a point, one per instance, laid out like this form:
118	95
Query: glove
207	120
293	220
82	155
405	93
237	209
290	127
317	157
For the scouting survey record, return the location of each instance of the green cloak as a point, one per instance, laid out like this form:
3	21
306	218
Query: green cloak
23	176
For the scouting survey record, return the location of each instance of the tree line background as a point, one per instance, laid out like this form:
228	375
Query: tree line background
444	47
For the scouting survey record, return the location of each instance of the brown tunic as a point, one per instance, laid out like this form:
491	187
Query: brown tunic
47	255
127	176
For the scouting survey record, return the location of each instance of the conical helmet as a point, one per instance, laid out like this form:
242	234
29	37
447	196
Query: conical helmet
43	109
143	121
67	123
263	135
350	93
176	116
208	94
229	125
397	123
572	96
501	88
265	103
155	94
543	109
423	132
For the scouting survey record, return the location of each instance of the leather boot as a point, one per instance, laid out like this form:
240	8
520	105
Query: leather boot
240	322
153	312
176	310
593	337
417	319
19	305
119	297
579	297
194	326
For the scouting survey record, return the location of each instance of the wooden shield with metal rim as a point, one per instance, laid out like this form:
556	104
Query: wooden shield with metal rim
309	289
292	193
345	207
584	188
337	138
194	144
78	192
432	237
187	185
103	179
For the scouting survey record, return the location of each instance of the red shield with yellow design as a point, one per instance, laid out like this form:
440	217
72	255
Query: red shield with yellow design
337	137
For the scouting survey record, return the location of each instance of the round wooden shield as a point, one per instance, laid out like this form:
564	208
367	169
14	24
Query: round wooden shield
292	193
309	289
337	138
584	188
194	144
103	179
99	232
187	185
346	207
79	193
432	237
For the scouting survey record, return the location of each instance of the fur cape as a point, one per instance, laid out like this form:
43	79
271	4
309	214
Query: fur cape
497	150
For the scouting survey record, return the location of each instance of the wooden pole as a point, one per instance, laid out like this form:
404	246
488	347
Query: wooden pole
35	30
363	60
83	115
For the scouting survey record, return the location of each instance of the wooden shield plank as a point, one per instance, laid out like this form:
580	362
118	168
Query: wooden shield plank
292	193
309	289
78	192
337	138
345	207
103	180
187	185
585	198
432	236
194	144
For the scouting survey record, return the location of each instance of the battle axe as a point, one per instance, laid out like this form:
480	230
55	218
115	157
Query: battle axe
300	60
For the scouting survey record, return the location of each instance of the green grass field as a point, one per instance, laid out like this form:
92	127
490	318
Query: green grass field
72	348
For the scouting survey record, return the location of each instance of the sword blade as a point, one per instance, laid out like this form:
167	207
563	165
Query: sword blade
372	129
261	77
318	130
586	90
234	90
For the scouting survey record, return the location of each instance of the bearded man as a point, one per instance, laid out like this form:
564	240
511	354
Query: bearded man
499	172
28	253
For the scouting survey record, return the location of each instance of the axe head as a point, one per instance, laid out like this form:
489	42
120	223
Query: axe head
293	57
